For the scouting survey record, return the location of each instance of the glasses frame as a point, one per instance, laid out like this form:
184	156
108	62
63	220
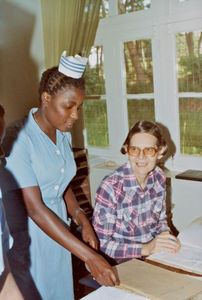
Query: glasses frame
144	151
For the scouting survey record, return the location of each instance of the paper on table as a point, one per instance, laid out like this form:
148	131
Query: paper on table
190	255
188	258
155	282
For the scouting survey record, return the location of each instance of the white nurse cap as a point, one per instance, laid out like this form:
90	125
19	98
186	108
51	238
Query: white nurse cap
72	66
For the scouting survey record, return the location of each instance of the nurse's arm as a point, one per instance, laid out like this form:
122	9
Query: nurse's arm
88	234
54	227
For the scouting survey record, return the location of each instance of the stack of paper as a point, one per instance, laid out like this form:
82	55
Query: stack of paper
190	255
157	283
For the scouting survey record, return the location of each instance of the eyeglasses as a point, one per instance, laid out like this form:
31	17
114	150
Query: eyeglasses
147	151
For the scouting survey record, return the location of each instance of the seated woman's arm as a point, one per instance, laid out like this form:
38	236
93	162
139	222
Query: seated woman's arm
162	224
105	225
164	240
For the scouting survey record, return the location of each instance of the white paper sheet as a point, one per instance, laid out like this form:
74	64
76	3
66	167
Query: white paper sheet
190	255
111	293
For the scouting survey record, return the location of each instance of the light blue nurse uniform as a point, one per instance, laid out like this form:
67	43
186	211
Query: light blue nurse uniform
36	161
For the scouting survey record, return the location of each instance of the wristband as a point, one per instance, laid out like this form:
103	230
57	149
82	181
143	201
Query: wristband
76	213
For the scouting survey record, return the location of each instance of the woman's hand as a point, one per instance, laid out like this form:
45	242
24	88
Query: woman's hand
88	236
162	242
102	272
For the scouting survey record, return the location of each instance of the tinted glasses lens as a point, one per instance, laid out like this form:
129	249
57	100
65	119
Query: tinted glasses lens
148	151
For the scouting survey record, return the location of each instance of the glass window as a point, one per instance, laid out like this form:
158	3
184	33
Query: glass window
95	110
190	125
189	45
126	6
139	80
189	54
104	9
140	109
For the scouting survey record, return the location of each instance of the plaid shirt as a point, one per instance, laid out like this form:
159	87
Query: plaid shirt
125	216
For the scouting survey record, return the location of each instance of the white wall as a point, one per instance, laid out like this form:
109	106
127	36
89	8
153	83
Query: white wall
186	201
21	56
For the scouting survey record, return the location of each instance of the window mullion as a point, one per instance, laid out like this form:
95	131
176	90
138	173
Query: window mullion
165	80
115	91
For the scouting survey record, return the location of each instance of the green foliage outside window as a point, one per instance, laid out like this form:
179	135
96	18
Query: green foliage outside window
140	110
94	82
126	6
138	64
189	50
96	123
190	125
139	80
95	109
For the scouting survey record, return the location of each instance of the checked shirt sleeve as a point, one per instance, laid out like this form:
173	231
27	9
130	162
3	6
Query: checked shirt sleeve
162	222
104	221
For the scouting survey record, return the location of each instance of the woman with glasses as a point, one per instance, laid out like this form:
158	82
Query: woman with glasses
130	209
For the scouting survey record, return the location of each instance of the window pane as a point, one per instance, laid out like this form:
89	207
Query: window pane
139	80
141	109
190	125
95	110
96	122
138	64
125	6
104	9
189	49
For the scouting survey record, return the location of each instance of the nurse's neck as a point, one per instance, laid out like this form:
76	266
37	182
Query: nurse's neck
42	122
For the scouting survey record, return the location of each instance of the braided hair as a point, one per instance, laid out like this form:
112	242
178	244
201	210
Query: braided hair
52	81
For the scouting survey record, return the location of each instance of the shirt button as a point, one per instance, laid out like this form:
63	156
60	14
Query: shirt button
62	170
52	201
56	187
58	152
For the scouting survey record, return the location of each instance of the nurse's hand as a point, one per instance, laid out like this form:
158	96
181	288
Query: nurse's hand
102	272
88	235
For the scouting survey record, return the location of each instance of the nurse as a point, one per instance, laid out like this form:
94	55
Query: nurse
42	163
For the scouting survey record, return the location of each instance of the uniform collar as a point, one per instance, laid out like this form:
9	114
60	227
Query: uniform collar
35	126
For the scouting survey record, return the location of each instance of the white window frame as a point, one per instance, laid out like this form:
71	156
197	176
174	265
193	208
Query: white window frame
160	23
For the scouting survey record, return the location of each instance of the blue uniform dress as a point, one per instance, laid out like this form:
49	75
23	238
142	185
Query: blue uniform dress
36	161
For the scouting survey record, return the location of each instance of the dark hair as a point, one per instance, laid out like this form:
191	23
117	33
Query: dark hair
2	111
146	127
53	81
